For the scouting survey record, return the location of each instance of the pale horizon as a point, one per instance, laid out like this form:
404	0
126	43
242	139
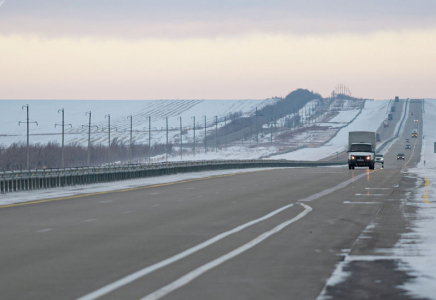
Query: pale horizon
141	50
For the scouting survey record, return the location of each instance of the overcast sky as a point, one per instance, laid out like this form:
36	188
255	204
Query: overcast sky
200	49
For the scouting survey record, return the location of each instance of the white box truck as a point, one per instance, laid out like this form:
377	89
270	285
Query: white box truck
361	149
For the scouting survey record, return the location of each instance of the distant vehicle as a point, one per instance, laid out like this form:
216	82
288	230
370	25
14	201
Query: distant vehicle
407	141
412	113
392	108
408	146
416	120
401	156
390	117
379	159
361	149
414	133
397	98
386	123
377	137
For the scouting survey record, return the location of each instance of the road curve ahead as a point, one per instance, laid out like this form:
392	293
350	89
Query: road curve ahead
275	234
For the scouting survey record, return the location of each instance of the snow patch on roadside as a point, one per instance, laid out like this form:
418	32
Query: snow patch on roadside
417	249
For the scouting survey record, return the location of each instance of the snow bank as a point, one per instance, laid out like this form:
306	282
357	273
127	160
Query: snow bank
369	120
417	249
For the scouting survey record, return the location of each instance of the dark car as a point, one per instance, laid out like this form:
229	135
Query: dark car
401	156
407	141
412	113
408	147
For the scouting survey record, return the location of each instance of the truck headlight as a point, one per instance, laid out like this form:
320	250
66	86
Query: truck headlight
353	157
368	157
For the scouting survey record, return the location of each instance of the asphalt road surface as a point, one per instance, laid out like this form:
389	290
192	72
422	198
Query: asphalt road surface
275	234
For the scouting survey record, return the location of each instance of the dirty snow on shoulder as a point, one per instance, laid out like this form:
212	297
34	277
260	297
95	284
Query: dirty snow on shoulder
417	249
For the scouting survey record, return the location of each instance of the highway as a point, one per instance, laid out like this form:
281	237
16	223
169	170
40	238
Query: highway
270	234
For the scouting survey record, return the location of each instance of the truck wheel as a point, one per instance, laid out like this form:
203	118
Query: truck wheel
349	167
371	167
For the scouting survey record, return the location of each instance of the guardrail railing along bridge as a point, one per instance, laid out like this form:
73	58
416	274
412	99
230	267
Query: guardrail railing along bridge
13	181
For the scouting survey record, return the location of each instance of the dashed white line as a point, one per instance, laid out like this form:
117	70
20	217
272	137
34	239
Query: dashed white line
368	195
89	220
351	202
44	230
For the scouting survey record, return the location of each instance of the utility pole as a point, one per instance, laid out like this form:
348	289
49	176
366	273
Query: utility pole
181	137
205	143
225	131
216	133
108	116
194	133
131	139
166	149
63	132
89	136
27	122
149	139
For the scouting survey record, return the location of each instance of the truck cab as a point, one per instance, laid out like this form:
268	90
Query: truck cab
361	149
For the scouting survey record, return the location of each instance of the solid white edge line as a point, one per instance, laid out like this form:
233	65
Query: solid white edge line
212	264
132	277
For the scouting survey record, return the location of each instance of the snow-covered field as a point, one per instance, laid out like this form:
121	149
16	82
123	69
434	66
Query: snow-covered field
370	119
46	114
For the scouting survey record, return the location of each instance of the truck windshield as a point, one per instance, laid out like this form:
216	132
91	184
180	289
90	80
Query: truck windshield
361	148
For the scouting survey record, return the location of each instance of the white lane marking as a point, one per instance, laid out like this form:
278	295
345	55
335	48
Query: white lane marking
332	189
147	270
44	230
378	188
368	195
132	277
214	263
155	205
126	212
89	220
350	202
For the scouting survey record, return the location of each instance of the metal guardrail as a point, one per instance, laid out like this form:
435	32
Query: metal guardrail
13	181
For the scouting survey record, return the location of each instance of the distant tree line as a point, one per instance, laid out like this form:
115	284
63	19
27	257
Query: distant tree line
76	155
